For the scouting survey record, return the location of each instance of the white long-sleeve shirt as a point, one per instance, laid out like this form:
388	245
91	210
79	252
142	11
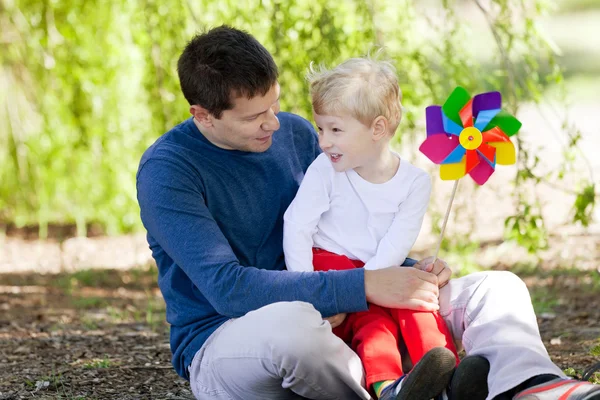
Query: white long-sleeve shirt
342	213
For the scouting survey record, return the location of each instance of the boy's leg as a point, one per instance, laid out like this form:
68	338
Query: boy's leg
491	313
280	351
423	331
373	333
375	339
324	260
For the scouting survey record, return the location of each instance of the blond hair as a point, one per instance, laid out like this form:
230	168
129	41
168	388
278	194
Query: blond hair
364	88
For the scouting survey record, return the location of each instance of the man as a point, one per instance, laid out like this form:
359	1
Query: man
212	193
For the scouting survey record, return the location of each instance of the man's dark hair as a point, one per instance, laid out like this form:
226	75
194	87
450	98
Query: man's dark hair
224	63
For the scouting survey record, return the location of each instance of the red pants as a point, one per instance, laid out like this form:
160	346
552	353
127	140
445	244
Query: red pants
374	334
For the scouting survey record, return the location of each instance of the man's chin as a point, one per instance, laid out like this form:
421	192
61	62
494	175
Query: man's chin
260	146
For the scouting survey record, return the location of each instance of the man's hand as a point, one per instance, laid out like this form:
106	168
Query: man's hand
440	268
336	320
401	287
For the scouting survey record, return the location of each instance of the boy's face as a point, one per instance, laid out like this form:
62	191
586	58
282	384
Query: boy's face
249	125
348	143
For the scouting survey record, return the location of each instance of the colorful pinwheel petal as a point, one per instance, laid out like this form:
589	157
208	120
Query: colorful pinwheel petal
470	135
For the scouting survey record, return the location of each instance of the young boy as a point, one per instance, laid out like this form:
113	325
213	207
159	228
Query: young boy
361	205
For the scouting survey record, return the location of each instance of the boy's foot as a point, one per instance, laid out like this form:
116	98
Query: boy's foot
428	378
562	389
470	379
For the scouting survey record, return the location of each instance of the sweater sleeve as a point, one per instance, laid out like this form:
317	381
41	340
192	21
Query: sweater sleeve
302	217
402	234
174	213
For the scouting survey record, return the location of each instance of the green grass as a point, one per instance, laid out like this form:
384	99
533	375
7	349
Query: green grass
98	363
89	323
88	277
135	278
152	314
577	374
29	383
544	300
148	310
595	351
50	382
89	302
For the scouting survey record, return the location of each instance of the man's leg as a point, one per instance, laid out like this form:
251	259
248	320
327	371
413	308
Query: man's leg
491	312
281	351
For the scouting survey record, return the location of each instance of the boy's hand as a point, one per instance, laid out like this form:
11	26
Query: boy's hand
440	268
336	320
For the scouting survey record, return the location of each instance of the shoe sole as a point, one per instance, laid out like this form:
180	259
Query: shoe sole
470	379
592	396
430	376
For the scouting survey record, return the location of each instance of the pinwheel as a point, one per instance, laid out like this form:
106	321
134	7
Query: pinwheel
469	135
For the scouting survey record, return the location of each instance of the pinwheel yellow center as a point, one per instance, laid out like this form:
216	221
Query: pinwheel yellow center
470	138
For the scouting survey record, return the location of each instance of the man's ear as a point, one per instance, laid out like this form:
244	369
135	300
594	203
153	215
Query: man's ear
380	127
202	115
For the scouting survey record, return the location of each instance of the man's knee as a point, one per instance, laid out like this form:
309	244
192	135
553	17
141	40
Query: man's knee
506	281
504	286
297	329
290	315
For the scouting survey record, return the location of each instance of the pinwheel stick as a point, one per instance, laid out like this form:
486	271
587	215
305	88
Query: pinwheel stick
445	221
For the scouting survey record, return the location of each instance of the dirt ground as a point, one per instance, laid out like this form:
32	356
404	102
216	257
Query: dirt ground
88	335
100	334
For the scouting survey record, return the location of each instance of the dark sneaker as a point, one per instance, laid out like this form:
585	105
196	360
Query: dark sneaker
428	379
470	379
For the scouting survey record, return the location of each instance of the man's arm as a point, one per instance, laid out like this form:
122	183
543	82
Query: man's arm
174	213
393	248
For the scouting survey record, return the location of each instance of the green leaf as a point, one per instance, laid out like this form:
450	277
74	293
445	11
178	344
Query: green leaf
585	202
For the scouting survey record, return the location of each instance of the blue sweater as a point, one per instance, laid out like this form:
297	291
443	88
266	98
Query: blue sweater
215	227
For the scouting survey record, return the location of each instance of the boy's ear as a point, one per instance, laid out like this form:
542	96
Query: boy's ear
202	115
380	127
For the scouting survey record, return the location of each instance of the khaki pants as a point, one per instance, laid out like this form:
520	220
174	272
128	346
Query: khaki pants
286	351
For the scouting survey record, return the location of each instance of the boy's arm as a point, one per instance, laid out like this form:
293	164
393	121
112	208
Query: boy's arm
302	217
174	213
402	234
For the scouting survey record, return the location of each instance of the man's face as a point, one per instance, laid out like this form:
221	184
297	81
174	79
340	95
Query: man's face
249	125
